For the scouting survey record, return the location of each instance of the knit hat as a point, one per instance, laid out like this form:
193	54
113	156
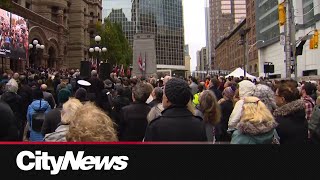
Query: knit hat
63	95
228	92
178	92
246	88
81	94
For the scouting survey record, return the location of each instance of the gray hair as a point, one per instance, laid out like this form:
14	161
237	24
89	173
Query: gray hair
12	86
266	95
141	92
94	73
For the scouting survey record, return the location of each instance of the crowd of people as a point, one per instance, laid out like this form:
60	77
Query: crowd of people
62	106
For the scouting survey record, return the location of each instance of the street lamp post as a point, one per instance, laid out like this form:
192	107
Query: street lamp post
35	47
98	50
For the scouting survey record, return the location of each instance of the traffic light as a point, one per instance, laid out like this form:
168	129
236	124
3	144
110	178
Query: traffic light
312	42
282	14
316	39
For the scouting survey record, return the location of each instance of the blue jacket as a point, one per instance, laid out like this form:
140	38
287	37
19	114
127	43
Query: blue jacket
33	107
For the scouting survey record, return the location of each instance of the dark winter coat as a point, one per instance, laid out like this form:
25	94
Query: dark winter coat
8	128
15	103
118	103
216	92
221	129
94	91
133	122
177	124
293	126
249	133
51	121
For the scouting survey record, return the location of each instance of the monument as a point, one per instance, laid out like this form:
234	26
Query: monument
144	55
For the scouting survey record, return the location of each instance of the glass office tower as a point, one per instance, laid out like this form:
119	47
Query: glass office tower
164	18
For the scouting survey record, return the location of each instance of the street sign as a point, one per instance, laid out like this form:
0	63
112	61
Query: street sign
282	40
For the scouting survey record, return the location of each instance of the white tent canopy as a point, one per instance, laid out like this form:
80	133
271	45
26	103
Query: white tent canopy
240	72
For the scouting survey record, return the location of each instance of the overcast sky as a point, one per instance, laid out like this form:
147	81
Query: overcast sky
194	24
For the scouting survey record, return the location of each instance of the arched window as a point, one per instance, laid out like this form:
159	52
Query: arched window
256	68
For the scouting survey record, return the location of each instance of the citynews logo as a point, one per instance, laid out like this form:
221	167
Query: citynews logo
42	161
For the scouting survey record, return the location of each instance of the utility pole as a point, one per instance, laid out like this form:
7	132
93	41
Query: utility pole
288	45
294	42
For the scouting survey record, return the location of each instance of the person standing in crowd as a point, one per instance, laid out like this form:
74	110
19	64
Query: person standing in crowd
48	96
119	102
266	95
314	125
246	89
53	117
177	123
106	97
8	128
209	111
156	104
94	91
36	115
156	94
81	95
193	85
214	85
306	92
68	111
195	100
291	116
11	97
90	124
256	126
133	121
226	105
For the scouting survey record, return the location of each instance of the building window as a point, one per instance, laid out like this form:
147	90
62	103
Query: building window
255	68
250	69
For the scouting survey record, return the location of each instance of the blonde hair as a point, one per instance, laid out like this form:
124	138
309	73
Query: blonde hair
209	107
255	111
90	124
69	109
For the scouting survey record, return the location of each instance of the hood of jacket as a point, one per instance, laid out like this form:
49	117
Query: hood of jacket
256	128
10	97
246	88
289	108
36	105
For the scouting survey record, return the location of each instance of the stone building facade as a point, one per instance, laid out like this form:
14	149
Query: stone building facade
65	27
229	53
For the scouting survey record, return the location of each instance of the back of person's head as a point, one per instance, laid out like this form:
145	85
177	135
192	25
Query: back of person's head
215	82
177	92
120	90
81	94
43	87
37	94
63	96
23	80
69	109
209	107
255	111
12	86
200	87
166	79
90	124
266	95
94	73
16	76
246	88
158	92
309	88
5	76
288	92
141	92
228	93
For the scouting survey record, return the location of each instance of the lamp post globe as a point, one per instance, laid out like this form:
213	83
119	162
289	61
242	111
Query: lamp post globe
35	42
104	49
42	47
30	46
38	46
97	38
91	50
96	49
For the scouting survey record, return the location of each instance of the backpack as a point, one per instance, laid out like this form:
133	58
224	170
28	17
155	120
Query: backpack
37	119
314	123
